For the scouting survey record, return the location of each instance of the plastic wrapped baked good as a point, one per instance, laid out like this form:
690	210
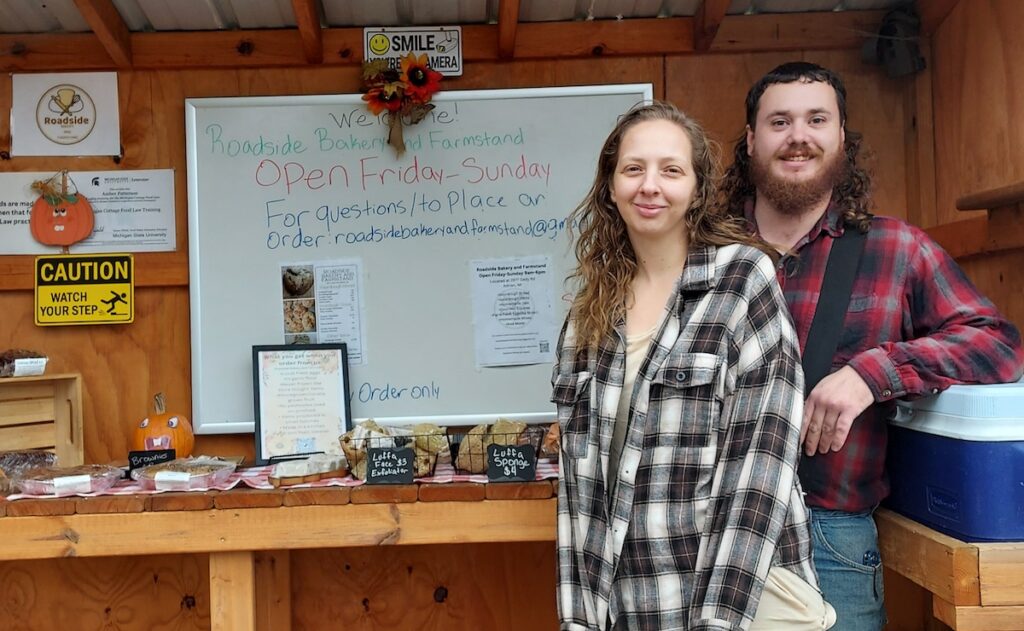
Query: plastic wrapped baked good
549	448
316	467
62	481
185	474
8	357
14	463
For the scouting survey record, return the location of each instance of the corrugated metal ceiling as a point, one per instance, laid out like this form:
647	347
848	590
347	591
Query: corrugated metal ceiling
55	16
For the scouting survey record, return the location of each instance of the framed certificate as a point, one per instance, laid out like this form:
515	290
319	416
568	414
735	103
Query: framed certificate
301	399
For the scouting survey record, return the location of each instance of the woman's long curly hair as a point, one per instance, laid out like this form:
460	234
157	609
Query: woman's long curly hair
853	193
605	258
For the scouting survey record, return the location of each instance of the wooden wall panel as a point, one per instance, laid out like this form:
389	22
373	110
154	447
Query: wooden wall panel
998	277
713	89
978	88
978	84
977	92
170	593
426	588
124	365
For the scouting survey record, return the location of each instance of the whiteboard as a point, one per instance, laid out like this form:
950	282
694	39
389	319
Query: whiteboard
307	181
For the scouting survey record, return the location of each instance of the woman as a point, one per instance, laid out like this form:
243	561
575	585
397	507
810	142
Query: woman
679	393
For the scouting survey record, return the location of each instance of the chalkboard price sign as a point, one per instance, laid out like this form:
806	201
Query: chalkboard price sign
386	465
511	463
137	459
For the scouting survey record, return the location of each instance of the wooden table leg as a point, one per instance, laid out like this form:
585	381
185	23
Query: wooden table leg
274	590
232	591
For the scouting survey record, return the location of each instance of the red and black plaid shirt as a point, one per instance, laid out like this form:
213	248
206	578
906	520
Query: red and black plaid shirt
915	326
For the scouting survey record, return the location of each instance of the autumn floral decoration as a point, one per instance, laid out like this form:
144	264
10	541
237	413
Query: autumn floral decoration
402	96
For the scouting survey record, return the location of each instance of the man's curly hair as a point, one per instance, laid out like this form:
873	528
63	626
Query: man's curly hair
853	193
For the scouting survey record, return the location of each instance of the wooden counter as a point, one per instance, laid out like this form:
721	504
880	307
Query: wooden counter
248	537
973	586
248	534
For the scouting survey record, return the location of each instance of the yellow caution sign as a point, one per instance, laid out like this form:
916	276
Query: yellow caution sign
85	289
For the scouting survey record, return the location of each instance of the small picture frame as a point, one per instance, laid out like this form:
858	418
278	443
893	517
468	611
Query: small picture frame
301	400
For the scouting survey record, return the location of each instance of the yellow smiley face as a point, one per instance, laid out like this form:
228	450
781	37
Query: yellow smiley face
379	44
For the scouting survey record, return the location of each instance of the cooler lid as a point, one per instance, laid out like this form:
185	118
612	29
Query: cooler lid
993	412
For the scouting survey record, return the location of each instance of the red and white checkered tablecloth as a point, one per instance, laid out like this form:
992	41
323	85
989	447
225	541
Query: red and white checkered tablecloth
259	478
444	473
133	487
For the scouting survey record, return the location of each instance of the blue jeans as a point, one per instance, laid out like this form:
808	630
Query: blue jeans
849	568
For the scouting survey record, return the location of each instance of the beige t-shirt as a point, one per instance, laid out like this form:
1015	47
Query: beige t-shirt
636	350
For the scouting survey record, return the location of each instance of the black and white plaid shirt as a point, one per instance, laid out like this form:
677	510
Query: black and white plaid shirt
706	498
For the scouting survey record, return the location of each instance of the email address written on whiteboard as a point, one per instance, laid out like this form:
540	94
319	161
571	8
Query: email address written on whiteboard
495	185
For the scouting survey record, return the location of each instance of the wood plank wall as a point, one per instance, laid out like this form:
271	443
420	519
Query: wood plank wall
494	587
978	84
123	366
977	87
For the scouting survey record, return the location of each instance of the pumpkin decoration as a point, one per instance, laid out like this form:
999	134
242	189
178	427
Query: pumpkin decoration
59	217
162	430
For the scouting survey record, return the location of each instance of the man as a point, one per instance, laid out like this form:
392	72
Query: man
915	324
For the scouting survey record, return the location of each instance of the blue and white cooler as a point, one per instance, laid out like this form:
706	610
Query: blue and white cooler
956	462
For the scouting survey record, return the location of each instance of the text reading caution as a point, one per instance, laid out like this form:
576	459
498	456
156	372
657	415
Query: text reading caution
84	289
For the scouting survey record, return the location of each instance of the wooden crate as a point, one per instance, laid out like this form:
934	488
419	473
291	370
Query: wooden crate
43	412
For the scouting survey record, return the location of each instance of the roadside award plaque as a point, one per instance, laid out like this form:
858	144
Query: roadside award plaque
84	289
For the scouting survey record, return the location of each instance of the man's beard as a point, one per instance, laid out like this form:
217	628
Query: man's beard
795	198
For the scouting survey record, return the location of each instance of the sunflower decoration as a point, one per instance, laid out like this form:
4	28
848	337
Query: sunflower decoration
402	96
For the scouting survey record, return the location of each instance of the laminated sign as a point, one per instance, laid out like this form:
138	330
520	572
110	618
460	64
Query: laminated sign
85	289
441	44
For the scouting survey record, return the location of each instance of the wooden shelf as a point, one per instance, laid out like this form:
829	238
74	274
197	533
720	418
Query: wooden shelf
993	198
1002	229
974	586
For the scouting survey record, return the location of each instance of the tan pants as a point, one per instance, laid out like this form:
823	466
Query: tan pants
789	603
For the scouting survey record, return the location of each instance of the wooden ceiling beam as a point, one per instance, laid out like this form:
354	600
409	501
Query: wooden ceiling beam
307	19
109	27
534	40
508	21
933	13
824	30
706	22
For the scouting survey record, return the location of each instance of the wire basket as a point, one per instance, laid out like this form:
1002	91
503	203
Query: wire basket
469	449
428	449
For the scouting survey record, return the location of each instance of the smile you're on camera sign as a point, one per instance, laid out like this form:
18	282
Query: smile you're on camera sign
441	44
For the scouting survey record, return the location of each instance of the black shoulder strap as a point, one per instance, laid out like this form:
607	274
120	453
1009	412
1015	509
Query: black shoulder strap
833	302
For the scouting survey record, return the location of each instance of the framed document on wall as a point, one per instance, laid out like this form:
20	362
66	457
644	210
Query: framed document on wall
301	399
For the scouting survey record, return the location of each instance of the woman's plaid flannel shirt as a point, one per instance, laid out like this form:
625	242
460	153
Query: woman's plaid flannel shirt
706	497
